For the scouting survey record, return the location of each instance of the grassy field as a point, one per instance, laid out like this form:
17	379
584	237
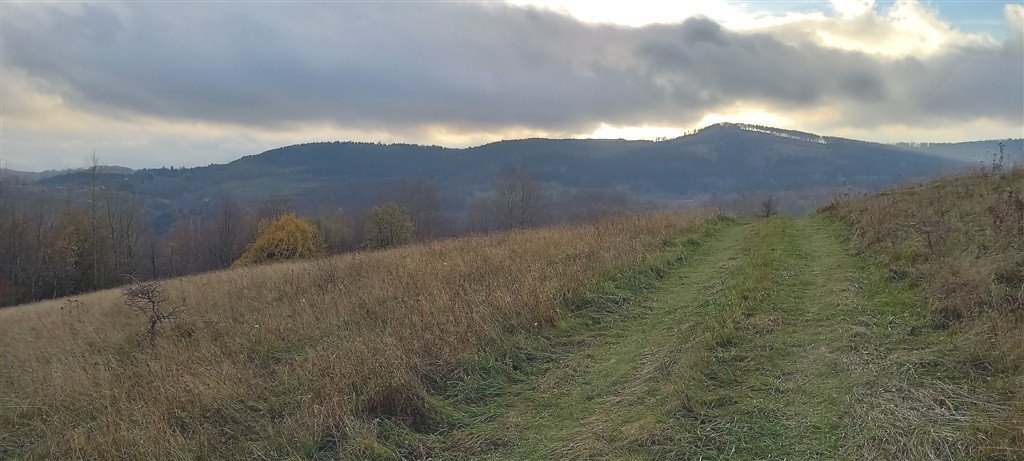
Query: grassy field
774	340
297	360
884	327
961	239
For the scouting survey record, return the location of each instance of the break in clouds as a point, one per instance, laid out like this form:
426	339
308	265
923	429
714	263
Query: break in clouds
494	68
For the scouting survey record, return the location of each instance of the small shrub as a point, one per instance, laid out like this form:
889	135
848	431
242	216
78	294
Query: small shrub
769	207
150	300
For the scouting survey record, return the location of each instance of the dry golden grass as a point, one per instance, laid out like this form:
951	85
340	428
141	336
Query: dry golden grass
961	239
277	361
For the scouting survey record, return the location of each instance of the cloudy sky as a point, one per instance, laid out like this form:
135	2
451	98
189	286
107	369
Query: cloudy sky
188	83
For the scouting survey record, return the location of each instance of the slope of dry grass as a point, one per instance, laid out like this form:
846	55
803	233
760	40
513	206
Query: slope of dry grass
279	361
961	239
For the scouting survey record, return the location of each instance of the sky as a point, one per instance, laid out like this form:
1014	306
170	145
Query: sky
187	83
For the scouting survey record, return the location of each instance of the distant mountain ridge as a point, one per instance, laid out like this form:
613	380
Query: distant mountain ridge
718	161
39	175
975	152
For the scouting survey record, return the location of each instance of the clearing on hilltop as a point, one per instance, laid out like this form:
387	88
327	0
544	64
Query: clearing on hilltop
840	334
512	230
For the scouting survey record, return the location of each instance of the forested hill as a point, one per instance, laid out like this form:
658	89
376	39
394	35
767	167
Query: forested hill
715	162
716	159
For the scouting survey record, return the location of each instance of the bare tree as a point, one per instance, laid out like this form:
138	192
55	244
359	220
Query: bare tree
270	207
483	214
151	254
521	198
336	230
181	248
124	226
5	195
769	206
150	300
94	177
421	198
224	232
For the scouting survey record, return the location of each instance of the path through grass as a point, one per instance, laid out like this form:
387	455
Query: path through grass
769	341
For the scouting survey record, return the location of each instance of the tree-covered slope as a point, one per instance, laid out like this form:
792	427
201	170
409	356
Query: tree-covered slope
721	159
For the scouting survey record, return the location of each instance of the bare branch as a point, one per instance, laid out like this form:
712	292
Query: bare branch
150	299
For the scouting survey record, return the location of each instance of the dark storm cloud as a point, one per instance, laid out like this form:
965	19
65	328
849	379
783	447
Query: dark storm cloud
472	66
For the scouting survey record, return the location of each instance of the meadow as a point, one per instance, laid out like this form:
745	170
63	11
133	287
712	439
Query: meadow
885	326
284	360
961	240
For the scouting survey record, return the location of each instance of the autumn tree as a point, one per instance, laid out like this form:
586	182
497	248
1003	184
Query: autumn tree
26	222
69	253
55	245
287	237
387	225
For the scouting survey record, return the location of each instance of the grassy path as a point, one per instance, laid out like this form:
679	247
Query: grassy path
771	341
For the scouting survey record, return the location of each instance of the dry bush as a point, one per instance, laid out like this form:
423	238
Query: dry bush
279	361
150	299
961	239
769	207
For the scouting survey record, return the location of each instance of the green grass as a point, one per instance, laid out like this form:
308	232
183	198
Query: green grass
772	340
618	363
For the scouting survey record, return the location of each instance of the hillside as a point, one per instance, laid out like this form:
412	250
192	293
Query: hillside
960	239
887	326
714	164
302	360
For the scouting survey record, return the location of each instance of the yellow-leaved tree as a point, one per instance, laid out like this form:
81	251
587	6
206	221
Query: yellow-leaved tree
287	237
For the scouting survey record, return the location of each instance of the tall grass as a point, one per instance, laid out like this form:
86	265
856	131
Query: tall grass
278	361
961	239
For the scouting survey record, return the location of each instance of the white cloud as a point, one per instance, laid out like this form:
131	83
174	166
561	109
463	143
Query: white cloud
606	131
852	8
148	85
1015	17
907	28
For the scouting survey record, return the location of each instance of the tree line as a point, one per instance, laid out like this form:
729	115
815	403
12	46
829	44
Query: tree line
61	243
